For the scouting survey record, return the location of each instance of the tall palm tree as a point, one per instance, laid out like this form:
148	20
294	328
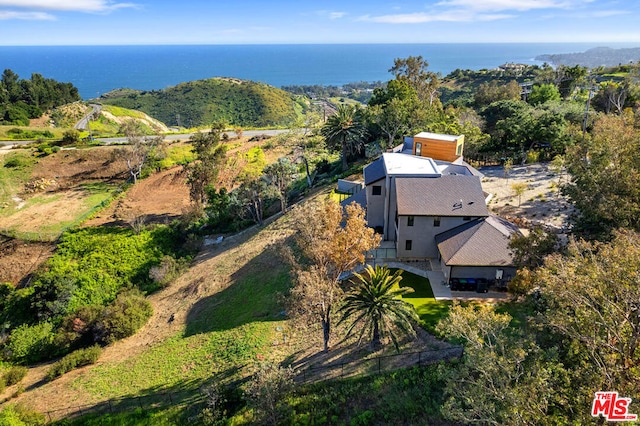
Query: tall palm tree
375	304
345	129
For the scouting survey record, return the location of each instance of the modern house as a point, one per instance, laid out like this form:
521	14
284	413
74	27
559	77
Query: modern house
436	211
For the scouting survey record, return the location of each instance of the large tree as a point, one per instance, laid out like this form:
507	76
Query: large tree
503	377
494	91
415	71
605	176
331	242
280	175
209	156
591	297
345	130
375	305
392	119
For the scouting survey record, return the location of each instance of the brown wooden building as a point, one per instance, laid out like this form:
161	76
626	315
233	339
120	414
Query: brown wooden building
437	146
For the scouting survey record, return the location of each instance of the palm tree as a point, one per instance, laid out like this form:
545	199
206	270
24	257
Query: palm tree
345	129
375	304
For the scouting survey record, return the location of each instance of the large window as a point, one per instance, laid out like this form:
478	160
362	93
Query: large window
377	190
436	221
410	220
459	150
408	244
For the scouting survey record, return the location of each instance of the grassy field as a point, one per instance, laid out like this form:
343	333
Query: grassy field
15	170
224	336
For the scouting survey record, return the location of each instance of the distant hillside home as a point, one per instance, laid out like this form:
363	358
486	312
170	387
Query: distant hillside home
437	211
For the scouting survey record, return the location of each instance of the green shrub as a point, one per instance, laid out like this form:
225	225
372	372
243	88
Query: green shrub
75	359
128	313
168	270
71	136
2	385
20	415
91	265
14	162
14	375
30	343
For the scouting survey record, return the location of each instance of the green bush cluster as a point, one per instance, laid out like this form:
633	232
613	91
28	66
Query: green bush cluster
17	133
30	343
91	265
20	415
14	375
75	359
91	291
45	149
14	162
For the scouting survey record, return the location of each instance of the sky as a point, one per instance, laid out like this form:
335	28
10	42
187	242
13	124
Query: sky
133	22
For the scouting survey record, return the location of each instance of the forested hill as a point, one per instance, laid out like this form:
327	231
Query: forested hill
22	99
593	58
198	103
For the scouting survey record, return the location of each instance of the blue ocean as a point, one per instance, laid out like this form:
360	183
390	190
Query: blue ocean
95	70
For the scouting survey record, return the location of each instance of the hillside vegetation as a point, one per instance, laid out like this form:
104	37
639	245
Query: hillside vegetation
112	118
22	100
198	103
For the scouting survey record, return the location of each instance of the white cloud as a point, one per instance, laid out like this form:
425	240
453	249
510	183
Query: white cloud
336	15
26	16
67	5
330	14
519	5
419	18
607	13
476	10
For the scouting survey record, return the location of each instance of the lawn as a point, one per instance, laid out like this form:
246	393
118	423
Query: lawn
428	308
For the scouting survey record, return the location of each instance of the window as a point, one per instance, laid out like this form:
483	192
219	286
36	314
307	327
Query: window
408	244
436	221
466	218
459	150
418	149
410	220
377	190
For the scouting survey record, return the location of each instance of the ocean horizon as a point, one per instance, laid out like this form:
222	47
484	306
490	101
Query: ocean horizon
96	70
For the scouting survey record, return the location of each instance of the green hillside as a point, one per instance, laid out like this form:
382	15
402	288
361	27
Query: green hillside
199	103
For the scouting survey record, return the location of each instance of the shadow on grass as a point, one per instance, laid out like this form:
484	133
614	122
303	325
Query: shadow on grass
252	296
187	399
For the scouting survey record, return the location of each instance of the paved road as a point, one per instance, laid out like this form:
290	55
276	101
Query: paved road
83	124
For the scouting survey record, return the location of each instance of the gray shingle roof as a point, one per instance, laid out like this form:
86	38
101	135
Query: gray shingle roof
374	171
481	242
441	196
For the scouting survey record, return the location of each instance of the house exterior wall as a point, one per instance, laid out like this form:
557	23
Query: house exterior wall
390	234
439	149
487	272
375	204
423	235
